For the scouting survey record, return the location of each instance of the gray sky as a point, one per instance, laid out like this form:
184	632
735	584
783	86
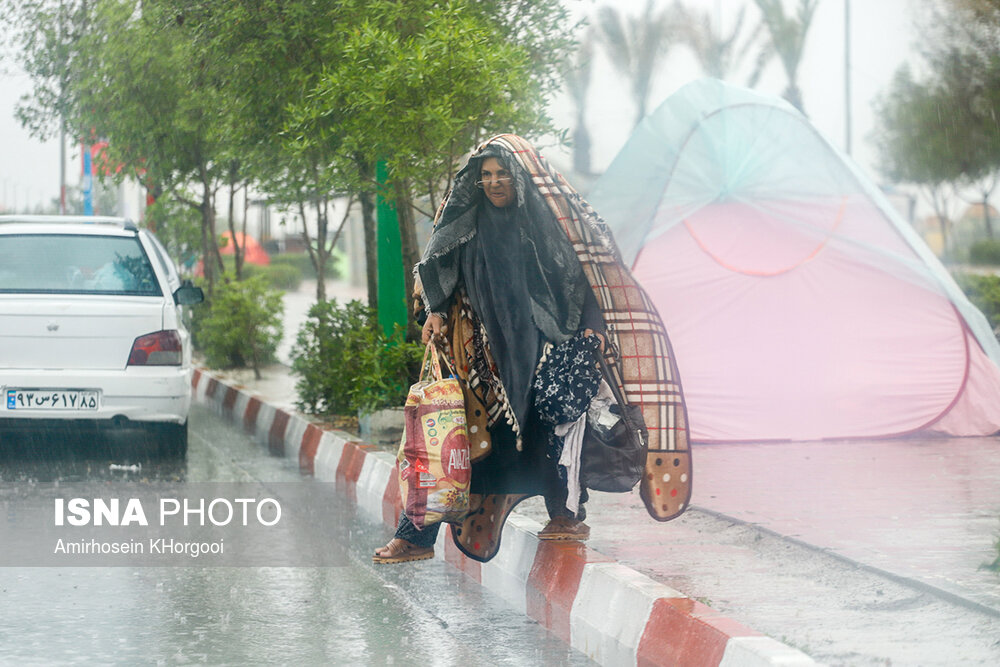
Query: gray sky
882	36
881	40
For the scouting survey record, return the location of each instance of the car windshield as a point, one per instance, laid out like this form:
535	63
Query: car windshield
75	264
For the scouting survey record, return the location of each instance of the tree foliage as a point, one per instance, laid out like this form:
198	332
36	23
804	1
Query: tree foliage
296	99
416	85
346	364
273	51
46	33
241	326
126	72
635	46
577	76
941	131
788	40
718	55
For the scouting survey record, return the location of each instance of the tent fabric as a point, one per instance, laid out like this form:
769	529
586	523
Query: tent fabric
253	251
800	304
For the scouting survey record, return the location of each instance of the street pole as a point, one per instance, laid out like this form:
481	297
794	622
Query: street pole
391	281
88	181
62	122
62	169
847	75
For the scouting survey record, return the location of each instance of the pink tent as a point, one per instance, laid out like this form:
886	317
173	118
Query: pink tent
799	304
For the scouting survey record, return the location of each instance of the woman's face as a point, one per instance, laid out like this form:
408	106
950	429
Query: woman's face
497	182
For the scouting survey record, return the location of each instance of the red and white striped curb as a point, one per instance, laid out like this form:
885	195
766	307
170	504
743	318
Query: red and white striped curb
611	613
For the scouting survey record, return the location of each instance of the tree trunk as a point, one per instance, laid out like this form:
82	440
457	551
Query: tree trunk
246	206
237	251
369	223
153	194
986	216
207	267
940	206
794	96
340	230
371	249
254	356
212	259
581	146
320	285
322	252
408	243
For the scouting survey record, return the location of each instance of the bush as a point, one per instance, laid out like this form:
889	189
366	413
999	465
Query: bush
279	275
388	367
240	324
346	364
300	260
984	293
985	252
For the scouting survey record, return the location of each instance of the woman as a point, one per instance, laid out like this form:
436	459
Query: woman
517	261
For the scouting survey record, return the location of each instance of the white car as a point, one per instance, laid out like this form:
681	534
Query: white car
91	327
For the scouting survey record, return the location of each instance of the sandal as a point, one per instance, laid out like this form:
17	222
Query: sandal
400	551
562	528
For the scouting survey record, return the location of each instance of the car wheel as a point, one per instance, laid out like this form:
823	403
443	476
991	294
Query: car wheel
173	440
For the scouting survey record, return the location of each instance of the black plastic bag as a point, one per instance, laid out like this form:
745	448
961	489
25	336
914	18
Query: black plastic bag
613	459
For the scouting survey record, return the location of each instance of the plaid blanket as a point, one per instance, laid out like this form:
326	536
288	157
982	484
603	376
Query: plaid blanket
637	337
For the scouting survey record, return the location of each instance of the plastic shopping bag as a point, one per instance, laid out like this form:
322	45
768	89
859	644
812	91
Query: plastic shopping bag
433	459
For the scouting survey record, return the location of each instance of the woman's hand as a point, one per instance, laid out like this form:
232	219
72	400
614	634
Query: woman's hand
591	332
434	326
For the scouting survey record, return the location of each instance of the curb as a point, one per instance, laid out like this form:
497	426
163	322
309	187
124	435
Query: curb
609	612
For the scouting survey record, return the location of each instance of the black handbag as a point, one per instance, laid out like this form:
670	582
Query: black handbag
613	458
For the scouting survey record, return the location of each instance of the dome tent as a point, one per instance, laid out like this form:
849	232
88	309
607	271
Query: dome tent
800	305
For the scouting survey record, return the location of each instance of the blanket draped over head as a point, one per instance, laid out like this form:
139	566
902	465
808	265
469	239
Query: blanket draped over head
563	247
519	271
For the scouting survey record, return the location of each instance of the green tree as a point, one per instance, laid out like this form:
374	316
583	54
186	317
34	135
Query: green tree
295	99
178	226
274	51
240	325
941	132
577	76
788	41
418	83
346	364
982	11
133	77
914	144
635	45
135	81
718	55
46	34
964	57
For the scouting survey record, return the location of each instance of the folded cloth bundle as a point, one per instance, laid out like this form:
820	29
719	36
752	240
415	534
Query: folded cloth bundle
567	380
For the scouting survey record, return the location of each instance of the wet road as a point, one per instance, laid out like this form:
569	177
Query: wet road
349	612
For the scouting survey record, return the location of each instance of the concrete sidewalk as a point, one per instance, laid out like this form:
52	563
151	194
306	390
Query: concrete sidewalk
609	611
851	552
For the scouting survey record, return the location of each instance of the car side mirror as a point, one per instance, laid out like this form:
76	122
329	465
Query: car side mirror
188	294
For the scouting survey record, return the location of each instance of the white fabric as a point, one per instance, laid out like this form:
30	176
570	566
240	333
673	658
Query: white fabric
572	434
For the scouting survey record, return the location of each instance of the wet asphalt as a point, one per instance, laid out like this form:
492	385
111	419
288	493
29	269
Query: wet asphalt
347	612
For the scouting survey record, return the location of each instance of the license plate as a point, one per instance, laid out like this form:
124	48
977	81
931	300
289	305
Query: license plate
53	399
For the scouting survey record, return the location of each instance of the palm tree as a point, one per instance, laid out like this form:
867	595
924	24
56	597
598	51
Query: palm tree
718	55
577	78
634	46
788	40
